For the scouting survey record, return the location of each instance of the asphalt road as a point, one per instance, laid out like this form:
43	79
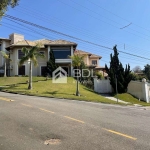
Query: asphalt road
30	123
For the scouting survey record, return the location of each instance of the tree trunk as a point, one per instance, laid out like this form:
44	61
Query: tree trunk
5	69
30	77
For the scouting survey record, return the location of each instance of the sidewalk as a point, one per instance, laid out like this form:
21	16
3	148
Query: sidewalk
114	99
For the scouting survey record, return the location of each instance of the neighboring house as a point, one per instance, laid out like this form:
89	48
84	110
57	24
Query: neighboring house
92	61
61	49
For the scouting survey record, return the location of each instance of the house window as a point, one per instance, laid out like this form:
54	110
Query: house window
94	62
61	53
21	70
41	52
20	54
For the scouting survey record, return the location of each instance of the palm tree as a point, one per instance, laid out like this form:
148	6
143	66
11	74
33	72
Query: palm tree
6	57
31	54
76	62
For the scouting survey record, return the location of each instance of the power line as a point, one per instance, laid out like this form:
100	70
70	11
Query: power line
47	19
66	35
82	46
102	20
117	15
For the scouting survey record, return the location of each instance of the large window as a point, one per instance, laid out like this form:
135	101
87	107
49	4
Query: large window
61	52
21	70
20	54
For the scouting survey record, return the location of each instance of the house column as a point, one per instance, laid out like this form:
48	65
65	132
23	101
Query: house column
71	61
3	49
72	73
48	52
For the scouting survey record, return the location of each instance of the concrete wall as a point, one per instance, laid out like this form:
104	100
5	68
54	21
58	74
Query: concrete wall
140	90
15	63
102	86
4	44
90	61
14	37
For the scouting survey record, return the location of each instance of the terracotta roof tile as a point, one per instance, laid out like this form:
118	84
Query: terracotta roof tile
60	42
87	53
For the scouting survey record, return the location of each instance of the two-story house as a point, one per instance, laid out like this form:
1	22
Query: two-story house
60	48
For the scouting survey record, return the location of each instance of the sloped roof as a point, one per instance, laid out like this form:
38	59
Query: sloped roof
86	53
4	39
42	41
60	42
23	43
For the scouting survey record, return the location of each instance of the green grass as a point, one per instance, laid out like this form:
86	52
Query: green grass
17	80
48	89
129	98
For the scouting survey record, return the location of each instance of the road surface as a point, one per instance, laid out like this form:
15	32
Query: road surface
38	123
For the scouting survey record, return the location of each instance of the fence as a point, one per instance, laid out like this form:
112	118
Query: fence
102	86
140	90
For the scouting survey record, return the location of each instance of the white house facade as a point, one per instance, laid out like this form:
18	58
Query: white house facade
16	42
61	49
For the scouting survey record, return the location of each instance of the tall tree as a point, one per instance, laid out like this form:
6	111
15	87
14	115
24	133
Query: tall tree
116	70
31	54
147	71
6	57
51	65
4	4
77	60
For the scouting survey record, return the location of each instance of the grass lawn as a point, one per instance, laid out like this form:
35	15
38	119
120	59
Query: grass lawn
129	98
41	87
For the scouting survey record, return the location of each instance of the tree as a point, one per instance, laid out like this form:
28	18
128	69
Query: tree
6	57
147	71
51	65
137	69
31	54
4	5
77	60
116	70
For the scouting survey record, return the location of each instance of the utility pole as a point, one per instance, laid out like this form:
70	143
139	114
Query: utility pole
116	88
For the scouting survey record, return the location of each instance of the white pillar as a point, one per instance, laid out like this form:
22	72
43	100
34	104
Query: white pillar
48	52
71	61
71	70
145	91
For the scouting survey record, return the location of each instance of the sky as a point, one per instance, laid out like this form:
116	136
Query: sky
99	24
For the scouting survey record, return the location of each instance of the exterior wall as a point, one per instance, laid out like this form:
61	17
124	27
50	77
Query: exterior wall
90	61
63	61
102	86
14	64
140	90
41	62
14	37
4	44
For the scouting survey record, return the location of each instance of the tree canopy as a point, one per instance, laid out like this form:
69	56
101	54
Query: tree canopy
51	65
31	54
116	70
146	71
137	69
4	4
